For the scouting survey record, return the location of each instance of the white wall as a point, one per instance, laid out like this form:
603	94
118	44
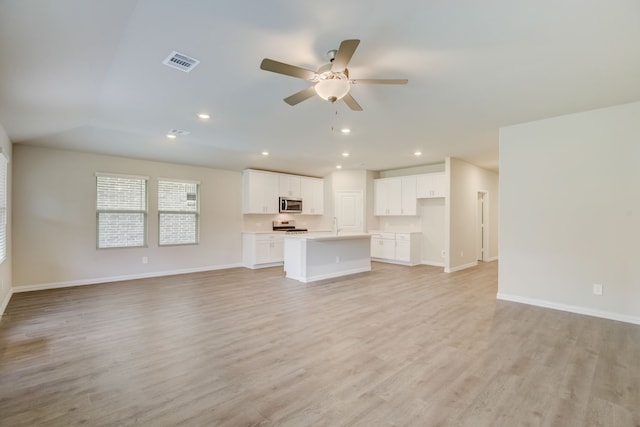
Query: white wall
5	267
55	232
465	181
433	226
570	206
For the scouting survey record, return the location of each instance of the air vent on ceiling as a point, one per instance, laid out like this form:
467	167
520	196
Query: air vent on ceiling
180	61
179	132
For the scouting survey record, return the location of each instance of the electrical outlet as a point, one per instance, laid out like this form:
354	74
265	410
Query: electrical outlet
442	253
461	254
145	260
337	260
597	289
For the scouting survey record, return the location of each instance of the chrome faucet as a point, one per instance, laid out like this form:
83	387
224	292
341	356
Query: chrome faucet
335	224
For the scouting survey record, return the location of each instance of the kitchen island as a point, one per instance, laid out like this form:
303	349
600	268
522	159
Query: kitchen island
317	256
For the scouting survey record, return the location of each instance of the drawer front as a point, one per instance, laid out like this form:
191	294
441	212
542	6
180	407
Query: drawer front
387	236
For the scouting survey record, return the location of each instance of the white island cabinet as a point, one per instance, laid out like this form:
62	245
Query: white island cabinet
317	256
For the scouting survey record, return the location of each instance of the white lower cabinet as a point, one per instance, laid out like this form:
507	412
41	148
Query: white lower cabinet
383	245
261	250
398	248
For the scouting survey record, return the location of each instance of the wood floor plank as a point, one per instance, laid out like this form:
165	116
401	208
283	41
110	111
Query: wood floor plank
398	346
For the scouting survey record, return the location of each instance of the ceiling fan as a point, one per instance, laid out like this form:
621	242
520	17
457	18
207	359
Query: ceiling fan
331	81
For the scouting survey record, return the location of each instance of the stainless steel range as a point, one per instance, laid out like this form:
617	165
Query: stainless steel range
289	226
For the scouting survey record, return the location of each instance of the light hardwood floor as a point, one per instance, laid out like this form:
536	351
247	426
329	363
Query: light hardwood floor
399	346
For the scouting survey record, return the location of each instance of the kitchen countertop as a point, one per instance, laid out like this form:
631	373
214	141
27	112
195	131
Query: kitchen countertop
393	231
283	232
328	235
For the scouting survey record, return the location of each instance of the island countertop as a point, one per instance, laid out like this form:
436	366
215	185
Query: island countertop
328	236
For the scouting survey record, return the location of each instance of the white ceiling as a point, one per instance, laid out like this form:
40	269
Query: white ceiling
87	75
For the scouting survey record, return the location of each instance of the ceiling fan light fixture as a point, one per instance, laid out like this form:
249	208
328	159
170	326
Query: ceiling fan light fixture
333	87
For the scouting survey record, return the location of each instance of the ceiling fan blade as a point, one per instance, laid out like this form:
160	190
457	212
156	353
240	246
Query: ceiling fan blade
344	54
286	69
380	81
351	102
298	97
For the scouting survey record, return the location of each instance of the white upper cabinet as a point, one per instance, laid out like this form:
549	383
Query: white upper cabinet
387	195
289	186
431	185
260	192
395	196
409	202
312	191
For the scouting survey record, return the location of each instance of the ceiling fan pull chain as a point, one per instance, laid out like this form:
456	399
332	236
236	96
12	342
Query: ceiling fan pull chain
333	121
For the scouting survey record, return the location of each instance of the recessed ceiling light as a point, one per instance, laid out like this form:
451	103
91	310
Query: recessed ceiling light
265	153
338	166
171	135
345	130
418	153
345	154
203	116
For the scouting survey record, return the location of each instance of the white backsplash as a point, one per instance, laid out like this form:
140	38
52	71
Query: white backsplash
265	222
400	224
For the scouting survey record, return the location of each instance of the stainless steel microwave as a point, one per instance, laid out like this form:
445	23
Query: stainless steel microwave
289	205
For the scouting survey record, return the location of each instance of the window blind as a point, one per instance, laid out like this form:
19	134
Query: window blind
121	211
178	206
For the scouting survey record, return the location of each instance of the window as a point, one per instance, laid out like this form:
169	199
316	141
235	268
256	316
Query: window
178	212
3	207
121	211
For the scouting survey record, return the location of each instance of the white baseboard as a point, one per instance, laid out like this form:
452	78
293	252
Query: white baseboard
570	308
461	267
432	263
393	261
331	275
267	265
43	286
5	301
494	258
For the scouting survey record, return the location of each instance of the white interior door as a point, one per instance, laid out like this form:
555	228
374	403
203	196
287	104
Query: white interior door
349	211
481	227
